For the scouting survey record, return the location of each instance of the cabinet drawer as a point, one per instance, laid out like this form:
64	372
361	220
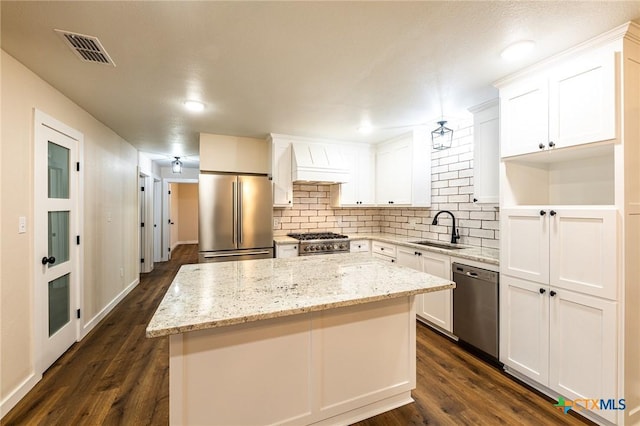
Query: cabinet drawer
383	249
360	246
384	257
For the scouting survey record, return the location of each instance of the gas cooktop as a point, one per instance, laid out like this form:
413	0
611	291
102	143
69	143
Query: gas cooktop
317	236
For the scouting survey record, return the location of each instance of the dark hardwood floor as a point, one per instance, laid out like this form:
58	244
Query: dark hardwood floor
116	376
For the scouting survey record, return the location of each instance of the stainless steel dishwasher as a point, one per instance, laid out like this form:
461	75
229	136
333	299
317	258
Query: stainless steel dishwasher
475	307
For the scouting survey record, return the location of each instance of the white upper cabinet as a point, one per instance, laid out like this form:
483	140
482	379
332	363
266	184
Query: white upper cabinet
524	124
570	104
281	171
360	190
582	96
486	152
403	171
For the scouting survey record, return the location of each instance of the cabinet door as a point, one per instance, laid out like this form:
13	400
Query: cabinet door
583	251
524	244
282	183
436	307
486	155
583	347
366	176
582	98
393	172
408	257
524	327
524	121
349	190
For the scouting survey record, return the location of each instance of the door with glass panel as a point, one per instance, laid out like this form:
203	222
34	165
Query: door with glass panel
56	223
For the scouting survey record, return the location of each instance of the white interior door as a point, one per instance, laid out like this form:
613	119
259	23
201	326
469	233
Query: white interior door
56	228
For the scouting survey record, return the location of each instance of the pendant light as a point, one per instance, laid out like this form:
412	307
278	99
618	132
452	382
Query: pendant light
442	137
176	165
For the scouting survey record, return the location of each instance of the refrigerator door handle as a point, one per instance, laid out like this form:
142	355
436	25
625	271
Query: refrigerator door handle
213	256
234	214
240	201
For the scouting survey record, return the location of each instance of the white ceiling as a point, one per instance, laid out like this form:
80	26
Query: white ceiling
315	69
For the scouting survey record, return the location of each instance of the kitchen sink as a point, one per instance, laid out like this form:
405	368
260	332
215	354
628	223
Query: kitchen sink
437	245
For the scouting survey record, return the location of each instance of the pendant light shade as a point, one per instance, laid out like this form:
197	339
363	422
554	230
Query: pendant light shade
442	137
176	165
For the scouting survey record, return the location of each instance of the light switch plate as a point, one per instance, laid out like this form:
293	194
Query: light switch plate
22	225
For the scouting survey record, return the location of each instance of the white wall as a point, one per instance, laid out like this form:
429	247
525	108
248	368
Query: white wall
110	248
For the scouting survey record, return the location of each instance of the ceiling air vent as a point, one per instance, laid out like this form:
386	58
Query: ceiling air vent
87	48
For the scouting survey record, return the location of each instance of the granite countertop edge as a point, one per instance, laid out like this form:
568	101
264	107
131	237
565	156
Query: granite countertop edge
167	331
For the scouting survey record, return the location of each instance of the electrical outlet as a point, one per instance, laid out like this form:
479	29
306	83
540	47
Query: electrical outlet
276	222
22	225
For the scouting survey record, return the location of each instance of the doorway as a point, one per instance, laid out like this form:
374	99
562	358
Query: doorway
57	223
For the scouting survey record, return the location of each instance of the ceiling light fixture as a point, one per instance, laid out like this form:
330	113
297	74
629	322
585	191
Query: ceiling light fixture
442	137
517	50
365	129
195	106
176	165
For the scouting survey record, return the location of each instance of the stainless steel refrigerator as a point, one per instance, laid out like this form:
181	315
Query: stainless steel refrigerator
235	217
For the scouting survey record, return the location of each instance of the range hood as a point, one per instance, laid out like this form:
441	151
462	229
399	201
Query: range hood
318	163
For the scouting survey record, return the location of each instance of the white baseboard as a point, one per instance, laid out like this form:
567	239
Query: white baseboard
18	393
105	311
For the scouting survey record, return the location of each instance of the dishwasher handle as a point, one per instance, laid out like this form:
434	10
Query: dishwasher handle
474	273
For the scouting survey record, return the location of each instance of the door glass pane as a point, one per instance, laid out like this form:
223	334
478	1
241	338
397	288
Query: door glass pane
59	236
58	303
58	171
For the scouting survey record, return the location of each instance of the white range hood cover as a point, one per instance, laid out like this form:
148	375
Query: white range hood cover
318	162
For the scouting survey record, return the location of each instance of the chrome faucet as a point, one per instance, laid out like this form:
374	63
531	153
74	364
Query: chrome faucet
454	232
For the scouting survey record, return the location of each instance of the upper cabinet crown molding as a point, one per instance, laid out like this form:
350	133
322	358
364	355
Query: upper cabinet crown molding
628	29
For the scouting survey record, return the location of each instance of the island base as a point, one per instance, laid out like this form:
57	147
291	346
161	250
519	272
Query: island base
336	366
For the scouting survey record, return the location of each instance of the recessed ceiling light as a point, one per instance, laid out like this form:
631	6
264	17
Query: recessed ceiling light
517	50
365	128
195	106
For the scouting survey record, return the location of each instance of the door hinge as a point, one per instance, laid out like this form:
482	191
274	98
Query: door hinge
142	260
77	239
169	192
77	166
78	313
142	225
142	188
169	249
169	221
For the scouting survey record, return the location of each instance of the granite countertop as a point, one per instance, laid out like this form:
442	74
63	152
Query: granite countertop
480	254
209	295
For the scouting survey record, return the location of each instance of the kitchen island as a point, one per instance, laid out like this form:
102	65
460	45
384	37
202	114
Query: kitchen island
311	340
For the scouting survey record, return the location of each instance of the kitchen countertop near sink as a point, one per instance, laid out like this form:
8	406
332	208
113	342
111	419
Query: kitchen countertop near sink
480	254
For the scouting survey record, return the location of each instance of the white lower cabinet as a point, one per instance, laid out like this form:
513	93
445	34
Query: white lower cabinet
568	247
436	307
384	251
286	250
563	340
360	246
